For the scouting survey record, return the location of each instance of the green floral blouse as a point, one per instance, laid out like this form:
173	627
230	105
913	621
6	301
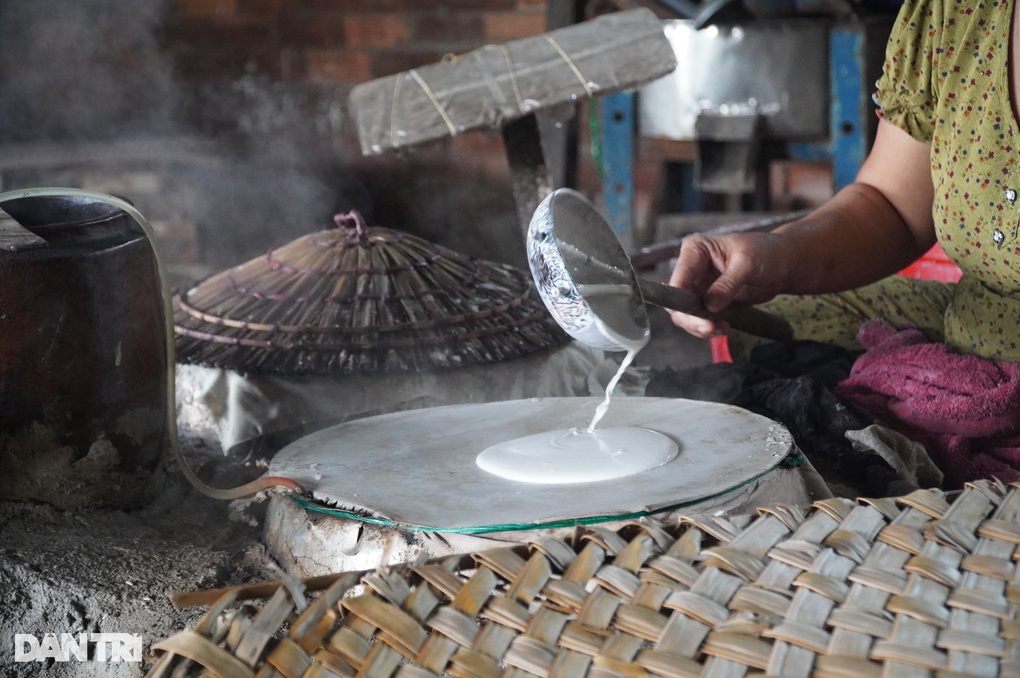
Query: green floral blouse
946	82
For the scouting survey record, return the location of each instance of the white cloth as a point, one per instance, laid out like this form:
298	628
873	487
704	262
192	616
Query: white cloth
908	458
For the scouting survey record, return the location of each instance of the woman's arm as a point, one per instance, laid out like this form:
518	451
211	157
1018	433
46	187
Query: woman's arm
869	230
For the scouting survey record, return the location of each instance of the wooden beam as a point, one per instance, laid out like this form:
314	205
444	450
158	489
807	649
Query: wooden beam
496	84
529	171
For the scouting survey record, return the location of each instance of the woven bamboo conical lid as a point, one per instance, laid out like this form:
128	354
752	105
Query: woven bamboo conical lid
353	299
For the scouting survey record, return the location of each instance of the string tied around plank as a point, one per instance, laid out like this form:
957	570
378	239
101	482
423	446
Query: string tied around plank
513	78
511	70
570	62
432	97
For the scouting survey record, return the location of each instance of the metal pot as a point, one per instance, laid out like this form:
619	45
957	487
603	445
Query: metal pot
83	352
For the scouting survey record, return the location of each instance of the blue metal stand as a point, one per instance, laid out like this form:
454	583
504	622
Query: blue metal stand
848	140
617	155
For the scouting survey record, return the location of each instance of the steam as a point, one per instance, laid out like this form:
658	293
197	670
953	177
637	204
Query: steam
82	69
88	83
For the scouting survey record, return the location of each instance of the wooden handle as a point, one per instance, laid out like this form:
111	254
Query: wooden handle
751	320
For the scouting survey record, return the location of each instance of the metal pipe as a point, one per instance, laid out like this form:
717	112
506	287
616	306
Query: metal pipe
648	257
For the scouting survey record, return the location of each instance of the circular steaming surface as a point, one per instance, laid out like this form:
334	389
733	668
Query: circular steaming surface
578	455
417	467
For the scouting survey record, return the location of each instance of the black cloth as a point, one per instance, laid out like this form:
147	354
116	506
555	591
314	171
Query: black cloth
792	383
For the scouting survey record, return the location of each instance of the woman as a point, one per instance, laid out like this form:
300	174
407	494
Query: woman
943	167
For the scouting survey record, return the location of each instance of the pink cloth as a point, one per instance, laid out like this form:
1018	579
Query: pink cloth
964	409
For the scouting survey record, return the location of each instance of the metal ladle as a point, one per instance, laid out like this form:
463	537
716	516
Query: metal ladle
586	280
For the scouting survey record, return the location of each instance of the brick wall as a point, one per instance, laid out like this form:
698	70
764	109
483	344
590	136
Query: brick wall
342	41
325	47
283	69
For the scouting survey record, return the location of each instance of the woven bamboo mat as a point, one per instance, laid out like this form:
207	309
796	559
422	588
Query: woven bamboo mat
920	585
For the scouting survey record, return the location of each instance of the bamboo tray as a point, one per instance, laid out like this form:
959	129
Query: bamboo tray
921	585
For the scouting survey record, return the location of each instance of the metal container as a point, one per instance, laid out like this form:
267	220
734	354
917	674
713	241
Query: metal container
83	353
777	70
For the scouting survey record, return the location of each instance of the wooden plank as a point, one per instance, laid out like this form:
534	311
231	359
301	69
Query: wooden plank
14	236
496	84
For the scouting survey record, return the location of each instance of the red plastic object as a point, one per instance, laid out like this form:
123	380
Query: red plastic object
932	265
720	350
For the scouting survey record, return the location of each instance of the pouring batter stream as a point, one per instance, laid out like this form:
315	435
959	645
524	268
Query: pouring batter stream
580	455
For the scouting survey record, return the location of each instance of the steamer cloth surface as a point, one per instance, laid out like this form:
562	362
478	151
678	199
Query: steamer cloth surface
417	468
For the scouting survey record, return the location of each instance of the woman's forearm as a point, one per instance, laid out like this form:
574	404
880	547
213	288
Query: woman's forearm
854	239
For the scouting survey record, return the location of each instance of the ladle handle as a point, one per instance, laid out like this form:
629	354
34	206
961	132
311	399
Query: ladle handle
748	319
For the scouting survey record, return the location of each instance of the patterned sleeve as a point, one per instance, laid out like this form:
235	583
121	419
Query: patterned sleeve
906	91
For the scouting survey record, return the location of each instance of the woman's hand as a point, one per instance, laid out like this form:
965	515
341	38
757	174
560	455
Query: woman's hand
737	269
